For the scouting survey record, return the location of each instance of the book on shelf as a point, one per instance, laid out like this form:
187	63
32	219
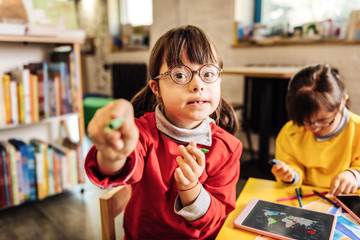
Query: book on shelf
21	148
7	98
42	30
77	154
70	58
2	184
34	96
66	163
41	70
10	150
22	77
12	28
28	167
2	102
61	71
4	179
41	168
50	170
8	176
14	102
36	170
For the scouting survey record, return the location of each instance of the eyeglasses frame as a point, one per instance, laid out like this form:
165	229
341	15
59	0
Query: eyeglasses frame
167	73
326	124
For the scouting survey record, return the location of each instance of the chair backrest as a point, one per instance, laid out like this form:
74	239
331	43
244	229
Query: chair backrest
112	204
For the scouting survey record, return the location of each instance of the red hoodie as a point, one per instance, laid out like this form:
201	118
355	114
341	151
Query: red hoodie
150	212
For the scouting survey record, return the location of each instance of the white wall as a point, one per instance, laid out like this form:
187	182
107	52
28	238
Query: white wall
216	18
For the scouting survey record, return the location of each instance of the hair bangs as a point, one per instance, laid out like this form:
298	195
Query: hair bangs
196	46
302	106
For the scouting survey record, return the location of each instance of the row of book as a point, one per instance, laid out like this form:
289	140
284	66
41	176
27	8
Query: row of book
35	170
40	90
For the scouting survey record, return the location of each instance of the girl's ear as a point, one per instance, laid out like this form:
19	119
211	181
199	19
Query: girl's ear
154	85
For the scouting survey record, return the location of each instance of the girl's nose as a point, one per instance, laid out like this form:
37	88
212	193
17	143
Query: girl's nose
197	84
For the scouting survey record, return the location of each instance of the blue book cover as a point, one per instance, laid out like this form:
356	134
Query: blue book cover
21	146
31	168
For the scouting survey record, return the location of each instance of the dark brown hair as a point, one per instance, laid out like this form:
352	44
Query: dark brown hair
200	49
312	88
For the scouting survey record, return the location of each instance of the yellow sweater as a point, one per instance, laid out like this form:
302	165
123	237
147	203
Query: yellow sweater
317	162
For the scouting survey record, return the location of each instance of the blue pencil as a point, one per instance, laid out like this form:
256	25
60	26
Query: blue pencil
298	197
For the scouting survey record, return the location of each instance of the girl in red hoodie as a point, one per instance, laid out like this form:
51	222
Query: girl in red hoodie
178	190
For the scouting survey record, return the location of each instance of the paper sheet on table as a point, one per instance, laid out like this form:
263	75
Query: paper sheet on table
347	228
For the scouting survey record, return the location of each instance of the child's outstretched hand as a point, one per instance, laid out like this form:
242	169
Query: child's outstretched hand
283	171
344	182
115	145
191	166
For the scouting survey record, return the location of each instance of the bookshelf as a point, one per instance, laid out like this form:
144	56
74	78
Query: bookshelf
60	167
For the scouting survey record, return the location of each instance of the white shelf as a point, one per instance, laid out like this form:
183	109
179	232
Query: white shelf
45	120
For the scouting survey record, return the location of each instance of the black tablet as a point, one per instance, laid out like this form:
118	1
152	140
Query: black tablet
285	222
351	203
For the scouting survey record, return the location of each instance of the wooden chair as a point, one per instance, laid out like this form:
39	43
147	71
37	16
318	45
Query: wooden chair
112	204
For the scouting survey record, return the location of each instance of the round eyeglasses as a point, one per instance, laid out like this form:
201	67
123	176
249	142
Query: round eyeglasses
181	74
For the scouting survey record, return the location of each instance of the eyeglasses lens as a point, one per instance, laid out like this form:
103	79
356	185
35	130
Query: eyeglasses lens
183	75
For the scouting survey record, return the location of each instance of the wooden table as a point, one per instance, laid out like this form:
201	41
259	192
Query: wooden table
265	190
264	100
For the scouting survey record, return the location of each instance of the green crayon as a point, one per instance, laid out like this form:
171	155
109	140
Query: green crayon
115	124
204	150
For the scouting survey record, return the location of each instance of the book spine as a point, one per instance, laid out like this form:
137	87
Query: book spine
14	102
25	172
14	175
2	102
5	177
19	176
2	184
9	178
20	94
7	99
32	176
26	95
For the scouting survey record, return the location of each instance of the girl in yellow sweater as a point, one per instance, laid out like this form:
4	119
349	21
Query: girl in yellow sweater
320	145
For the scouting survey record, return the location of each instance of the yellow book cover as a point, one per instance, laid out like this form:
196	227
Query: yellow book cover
2	102
6	84
35	99
20	94
41	168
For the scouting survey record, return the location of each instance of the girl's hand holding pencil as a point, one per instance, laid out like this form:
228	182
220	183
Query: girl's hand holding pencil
114	133
282	171
191	166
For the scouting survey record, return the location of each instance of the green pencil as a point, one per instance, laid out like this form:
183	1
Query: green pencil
204	150
115	124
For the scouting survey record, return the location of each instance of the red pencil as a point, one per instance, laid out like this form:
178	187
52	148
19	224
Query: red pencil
295	197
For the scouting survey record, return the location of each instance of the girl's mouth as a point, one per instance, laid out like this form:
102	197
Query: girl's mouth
197	102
